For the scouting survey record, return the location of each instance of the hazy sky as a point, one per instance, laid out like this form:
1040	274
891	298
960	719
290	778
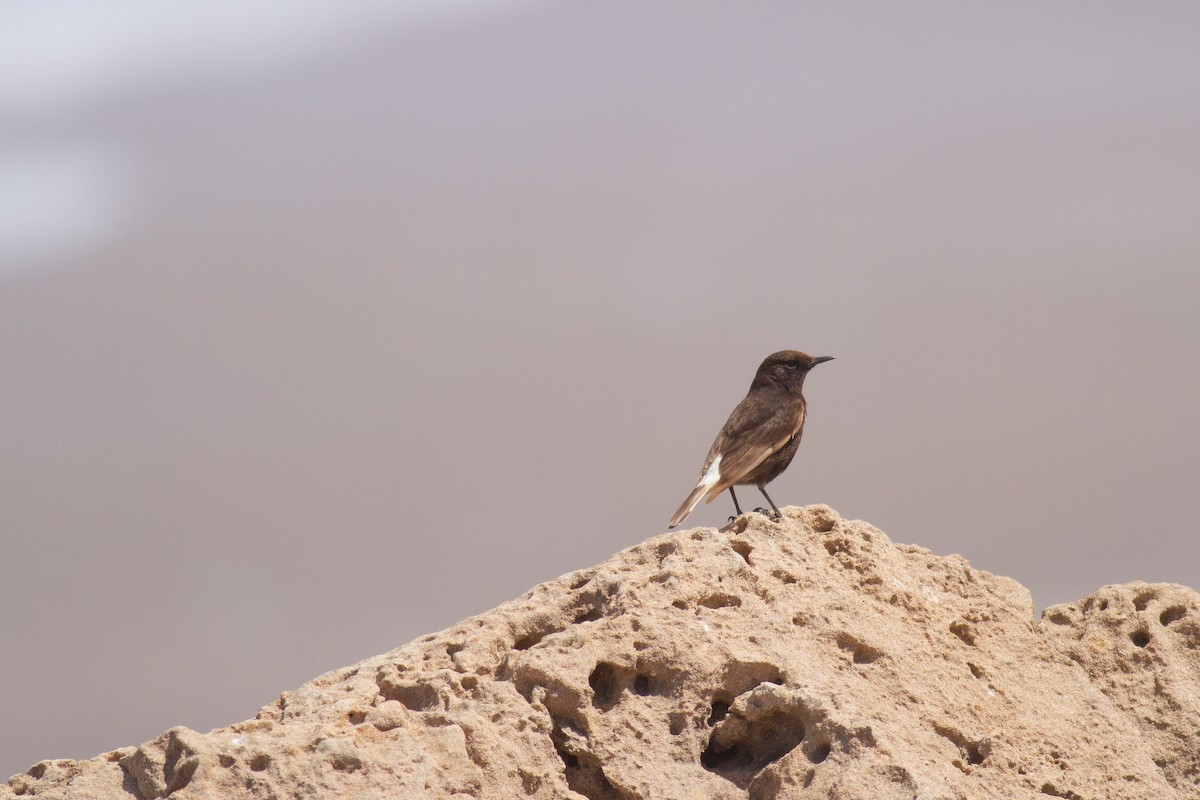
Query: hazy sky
325	325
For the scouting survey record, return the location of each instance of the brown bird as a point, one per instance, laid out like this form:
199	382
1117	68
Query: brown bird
761	435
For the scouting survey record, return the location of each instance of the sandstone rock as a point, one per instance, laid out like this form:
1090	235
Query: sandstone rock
811	658
1140	645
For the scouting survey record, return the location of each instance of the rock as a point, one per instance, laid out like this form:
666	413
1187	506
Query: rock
811	658
1140	645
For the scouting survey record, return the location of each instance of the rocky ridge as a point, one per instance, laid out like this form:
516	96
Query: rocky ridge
806	658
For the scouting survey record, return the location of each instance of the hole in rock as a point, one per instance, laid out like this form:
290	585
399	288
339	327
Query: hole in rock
714	758
1142	600
865	655
589	780
743	549
346	762
824	524
739	749
605	681
819	753
860	652
583	772
1172	614
720	600
1140	638
682	604
414	696
1104	605
740	677
180	774
529	640
974	751
580	581
677	723
569	760
976	670
963	631
260	762
587	615
1059	618
641	685
530	783
719	709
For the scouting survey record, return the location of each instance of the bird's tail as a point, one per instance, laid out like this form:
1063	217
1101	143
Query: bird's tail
688	505
710	478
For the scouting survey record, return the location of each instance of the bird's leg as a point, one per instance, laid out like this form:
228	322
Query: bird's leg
736	507
778	515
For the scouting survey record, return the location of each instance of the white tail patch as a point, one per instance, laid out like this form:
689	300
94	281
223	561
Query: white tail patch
713	476
707	481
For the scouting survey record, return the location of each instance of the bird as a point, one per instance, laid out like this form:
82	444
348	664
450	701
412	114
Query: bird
761	435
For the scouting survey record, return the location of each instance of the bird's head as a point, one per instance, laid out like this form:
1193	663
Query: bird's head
786	369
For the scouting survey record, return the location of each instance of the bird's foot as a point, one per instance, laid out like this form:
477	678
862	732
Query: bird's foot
772	515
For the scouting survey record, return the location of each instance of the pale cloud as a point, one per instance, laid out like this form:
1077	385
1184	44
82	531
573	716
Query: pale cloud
62	59
58	200
58	54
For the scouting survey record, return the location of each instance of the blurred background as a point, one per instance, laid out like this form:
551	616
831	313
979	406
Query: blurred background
324	325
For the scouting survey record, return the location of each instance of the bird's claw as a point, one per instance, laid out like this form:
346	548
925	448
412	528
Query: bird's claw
772	515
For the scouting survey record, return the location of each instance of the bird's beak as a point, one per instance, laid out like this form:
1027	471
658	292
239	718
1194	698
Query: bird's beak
820	360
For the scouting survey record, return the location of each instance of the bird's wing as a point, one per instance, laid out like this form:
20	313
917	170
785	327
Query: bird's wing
753	432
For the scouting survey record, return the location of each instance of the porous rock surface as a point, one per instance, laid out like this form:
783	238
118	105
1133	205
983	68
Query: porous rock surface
809	658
